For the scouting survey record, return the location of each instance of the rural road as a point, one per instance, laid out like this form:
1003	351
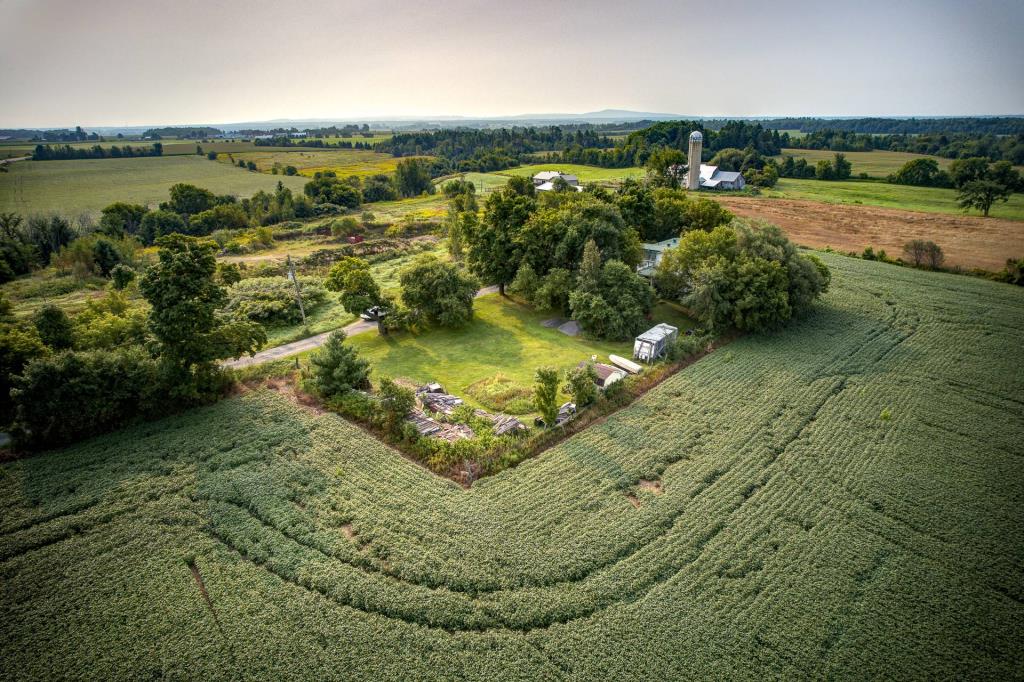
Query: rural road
311	342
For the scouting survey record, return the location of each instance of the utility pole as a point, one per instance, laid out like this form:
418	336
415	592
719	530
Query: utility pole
298	288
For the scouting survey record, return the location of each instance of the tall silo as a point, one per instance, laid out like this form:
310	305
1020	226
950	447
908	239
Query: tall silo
693	159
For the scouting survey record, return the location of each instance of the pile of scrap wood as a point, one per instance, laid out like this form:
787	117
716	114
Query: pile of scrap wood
427	426
503	423
432	397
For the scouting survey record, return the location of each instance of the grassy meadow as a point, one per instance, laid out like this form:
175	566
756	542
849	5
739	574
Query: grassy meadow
928	199
87	186
840	498
585	173
876	163
309	161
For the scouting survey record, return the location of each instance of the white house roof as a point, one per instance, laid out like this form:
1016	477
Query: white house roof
710	176
548	186
657	333
661	246
548	176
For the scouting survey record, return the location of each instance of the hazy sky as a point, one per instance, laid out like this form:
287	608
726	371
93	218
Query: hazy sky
140	62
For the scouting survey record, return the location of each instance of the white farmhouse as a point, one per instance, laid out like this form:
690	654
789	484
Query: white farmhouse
545	180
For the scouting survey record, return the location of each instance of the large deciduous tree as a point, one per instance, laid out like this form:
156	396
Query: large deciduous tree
439	292
184	299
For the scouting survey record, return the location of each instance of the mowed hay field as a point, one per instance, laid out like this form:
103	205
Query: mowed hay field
87	186
875	163
309	161
967	241
837	500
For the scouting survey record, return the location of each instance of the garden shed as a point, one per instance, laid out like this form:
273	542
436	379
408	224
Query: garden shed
653	343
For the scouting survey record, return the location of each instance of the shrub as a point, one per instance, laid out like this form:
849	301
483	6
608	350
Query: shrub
121	276
337	368
502	394
580	384
396	402
54	327
74	395
545	394
272	299
526	283
17	348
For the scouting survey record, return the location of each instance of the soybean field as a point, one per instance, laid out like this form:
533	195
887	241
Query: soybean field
838	499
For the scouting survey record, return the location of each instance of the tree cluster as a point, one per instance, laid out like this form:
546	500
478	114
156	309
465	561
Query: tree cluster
64	152
741	276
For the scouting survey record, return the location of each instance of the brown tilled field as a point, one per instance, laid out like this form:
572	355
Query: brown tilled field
969	241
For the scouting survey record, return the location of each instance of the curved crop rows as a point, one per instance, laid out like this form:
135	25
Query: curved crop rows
838	499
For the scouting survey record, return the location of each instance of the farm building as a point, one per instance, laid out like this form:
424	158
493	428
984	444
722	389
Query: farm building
652	256
545	180
711	177
606	374
653	343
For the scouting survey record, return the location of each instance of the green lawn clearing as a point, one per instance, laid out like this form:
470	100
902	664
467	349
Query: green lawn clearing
505	338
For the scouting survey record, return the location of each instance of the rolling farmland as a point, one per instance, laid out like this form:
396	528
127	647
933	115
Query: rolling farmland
838	499
585	173
875	163
86	186
309	161
904	197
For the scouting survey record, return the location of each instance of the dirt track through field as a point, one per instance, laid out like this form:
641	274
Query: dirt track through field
968	241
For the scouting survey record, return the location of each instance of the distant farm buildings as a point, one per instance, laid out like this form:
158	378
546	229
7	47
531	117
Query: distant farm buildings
713	178
545	181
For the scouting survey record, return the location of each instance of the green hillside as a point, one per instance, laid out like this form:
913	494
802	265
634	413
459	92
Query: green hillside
88	185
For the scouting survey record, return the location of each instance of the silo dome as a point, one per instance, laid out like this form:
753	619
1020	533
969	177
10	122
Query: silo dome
696	136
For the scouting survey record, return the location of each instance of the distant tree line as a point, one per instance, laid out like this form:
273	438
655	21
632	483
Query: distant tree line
285	141
64	152
947	145
978	125
184	133
489	150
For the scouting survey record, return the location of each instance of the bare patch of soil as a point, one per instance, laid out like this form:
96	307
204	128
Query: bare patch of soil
968	241
655	487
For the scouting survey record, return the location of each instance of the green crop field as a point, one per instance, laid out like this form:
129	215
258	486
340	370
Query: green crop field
309	161
929	199
86	186
585	173
875	163
840	499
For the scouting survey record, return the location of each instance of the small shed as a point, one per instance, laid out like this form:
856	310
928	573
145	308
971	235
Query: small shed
652	344
606	374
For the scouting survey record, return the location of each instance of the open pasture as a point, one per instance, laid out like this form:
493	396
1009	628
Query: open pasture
840	499
309	161
585	173
904	197
876	163
86	186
